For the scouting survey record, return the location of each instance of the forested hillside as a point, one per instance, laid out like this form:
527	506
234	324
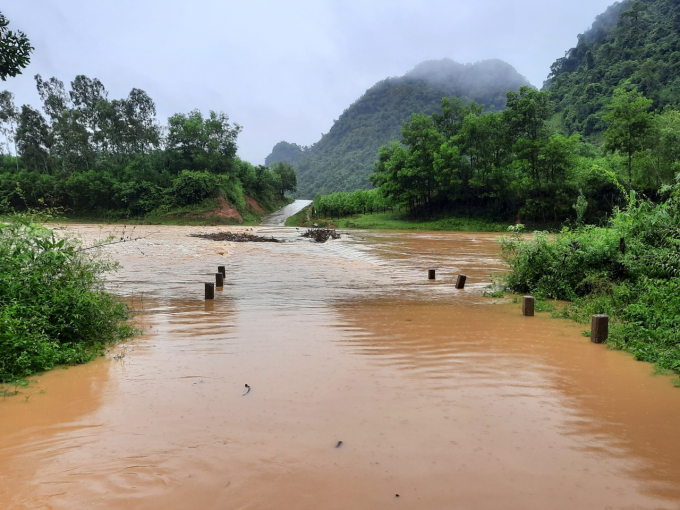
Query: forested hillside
344	157
90	155
635	43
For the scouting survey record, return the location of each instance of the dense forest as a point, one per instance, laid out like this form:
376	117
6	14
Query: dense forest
635	43
94	156
343	159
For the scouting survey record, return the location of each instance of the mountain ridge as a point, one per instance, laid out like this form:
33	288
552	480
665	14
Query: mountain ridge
343	158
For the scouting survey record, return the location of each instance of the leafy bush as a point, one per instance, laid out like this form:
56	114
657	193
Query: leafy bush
629	270
53	307
191	187
569	265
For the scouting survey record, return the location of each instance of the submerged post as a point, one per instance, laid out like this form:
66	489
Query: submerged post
460	283
209	291
528	306
430	274
223	270
219	279
599	331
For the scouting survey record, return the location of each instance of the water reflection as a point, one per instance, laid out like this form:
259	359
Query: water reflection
596	402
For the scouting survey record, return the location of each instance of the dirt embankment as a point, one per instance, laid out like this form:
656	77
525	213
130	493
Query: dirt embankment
250	201
226	210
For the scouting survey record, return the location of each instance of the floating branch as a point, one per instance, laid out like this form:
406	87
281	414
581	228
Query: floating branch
236	237
321	235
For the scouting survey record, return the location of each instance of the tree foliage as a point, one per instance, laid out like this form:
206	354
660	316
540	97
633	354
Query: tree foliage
629	122
287	179
91	154
504	163
632	44
15	50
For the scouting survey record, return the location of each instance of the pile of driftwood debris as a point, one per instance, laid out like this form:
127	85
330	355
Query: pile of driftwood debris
237	237
321	235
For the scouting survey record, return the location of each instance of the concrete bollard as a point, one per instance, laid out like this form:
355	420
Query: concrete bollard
460	283
209	291
599	331
223	270
219	280
430	274
528	306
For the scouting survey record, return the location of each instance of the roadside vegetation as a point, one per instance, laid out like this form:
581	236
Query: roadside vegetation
53	306
628	269
101	158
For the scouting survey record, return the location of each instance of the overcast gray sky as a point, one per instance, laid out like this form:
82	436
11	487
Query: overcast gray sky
284	70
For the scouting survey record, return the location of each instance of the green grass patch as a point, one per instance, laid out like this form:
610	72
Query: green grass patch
401	221
180	216
302	218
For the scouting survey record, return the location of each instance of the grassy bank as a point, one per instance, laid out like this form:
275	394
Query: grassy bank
398	221
629	270
53	306
204	213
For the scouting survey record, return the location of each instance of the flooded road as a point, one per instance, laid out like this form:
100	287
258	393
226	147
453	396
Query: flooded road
444	397
279	217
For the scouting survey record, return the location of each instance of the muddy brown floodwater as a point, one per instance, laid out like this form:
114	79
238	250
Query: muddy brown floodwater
446	398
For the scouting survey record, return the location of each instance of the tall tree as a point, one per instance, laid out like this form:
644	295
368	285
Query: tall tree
629	122
198	143
287	177
53	95
526	116
9	116
139	113
34	140
86	96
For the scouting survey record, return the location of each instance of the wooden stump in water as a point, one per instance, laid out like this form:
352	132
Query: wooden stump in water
219	279
528	306
460	283
209	291
430	274
223	270
599	331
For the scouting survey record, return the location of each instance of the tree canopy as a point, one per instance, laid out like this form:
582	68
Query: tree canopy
515	164
633	44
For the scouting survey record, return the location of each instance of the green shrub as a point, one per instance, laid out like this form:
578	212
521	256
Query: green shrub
191	187
53	307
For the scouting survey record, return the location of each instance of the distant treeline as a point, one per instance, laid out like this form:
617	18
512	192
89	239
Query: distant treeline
92	155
